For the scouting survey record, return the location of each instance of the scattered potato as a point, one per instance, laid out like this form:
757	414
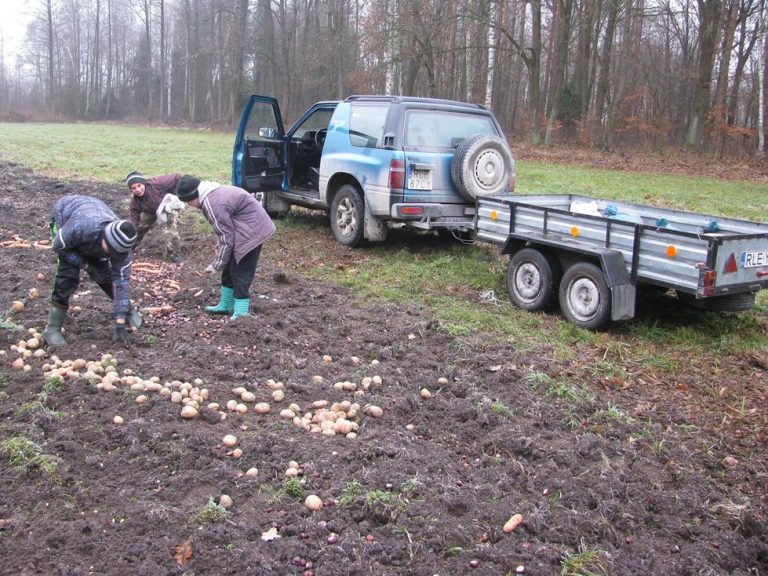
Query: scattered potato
442	381
512	523
229	440
278	395
41	276
261	408
327	359
248	397
17	306
189	412
18	364
225	501
313	502
118	420
317	379
252	472
141	399
425	393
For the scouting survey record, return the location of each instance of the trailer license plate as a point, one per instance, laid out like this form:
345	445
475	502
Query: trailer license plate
420	180
754	258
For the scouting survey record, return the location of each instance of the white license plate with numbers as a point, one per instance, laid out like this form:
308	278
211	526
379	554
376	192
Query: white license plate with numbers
420	179
754	258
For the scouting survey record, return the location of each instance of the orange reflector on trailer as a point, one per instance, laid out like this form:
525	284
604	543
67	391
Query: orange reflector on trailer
575	231
730	265
494	215
671	251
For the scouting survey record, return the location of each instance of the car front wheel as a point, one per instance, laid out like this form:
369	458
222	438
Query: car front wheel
348	215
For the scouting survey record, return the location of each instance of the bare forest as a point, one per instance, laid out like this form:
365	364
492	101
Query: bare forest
606	73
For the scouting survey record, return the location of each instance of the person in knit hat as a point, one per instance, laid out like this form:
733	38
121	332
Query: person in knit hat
242	225
86	234
153	200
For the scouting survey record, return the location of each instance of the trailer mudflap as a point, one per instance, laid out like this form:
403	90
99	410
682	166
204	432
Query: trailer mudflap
623	290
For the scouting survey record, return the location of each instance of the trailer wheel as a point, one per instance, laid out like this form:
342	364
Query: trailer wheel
585	298
532	278
348	216
741	302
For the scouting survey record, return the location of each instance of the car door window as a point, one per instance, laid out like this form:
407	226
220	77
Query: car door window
262	124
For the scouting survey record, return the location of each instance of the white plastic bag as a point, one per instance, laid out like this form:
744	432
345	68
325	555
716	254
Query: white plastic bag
170	205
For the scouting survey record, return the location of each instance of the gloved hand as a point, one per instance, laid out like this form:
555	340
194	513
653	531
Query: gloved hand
121	336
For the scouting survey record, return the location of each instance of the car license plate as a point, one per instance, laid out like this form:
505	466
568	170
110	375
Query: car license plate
754	258
420	180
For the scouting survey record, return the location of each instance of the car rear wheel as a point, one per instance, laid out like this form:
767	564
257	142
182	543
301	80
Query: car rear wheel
482	166
348	216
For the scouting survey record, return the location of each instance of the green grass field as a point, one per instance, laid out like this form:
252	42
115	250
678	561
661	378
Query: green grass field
108	152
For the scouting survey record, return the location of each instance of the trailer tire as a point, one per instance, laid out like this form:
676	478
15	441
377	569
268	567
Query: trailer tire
348	216
532	279
482	166
741	302
585	298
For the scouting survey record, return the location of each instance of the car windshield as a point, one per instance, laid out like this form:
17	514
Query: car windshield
443	129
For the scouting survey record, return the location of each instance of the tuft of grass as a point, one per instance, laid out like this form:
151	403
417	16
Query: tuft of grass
293	488
412	486
38	408
25	455
502	410
211	513
585	562
389	501
350	493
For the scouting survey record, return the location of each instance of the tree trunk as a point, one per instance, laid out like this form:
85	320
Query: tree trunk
709	31
563	27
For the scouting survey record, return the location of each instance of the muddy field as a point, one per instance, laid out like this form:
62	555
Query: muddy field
653	477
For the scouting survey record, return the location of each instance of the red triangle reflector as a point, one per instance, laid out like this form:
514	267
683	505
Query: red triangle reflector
730	265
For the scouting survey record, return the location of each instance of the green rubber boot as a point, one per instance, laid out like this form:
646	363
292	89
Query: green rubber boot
225	305
52	332
241	307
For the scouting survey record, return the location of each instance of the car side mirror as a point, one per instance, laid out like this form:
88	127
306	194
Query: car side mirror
267	132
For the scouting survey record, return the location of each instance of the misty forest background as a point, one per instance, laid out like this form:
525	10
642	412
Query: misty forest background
607	73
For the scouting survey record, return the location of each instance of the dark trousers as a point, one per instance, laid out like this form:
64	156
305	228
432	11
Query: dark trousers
240	275
68	279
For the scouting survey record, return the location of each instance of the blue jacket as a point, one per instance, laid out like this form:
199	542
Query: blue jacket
79	223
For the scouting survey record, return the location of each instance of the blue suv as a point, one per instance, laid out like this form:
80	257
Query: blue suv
373	162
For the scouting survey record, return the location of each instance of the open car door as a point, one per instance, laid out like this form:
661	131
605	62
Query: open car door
257	160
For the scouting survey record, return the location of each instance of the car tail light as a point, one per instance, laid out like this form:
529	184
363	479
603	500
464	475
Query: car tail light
412	210
707	279
397	174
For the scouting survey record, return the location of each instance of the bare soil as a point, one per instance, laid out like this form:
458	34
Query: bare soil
658	480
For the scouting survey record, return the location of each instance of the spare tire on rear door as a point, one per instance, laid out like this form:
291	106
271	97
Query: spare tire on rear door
482	166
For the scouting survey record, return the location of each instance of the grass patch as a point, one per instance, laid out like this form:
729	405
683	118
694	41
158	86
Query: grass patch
501	409
585	562
24	455
351	492
108	152
211	513
293	488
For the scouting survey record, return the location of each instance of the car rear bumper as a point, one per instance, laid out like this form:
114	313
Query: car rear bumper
434	215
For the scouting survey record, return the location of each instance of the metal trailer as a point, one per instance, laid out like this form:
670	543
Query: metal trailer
592	254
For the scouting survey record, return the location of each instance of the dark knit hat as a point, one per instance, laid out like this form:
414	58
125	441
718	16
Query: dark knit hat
187	188
120	235
135	178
